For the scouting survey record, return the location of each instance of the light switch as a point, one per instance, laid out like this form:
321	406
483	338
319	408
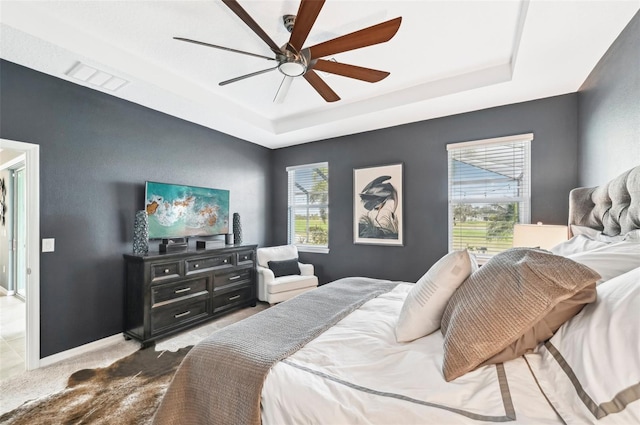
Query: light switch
48	245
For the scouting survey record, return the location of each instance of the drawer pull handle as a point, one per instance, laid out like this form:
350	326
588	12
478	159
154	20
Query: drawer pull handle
195	266
166	271
235	297
234	277
179	291
177	316
224	261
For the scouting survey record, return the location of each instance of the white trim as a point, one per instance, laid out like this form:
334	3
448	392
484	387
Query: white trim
316	164
83	349
527	137
6	292
17	160
32	163
522	17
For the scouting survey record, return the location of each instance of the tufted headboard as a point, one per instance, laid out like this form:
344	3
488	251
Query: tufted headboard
613	208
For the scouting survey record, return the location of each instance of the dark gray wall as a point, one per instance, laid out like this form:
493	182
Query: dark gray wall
96	153
609	111
422	148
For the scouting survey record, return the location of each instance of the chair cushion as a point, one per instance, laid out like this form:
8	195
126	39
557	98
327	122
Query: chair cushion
276	253
290	283
284	267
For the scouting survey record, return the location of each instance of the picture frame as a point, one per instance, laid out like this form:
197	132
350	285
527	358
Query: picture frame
378	205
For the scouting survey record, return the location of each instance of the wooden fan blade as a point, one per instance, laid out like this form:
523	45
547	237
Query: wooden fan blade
321	87
242	77
359	73
229	49
248	20
365	37
306	17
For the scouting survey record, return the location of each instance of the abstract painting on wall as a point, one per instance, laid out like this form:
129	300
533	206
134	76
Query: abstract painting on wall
377	205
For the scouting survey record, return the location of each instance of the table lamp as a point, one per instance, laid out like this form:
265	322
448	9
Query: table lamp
545	236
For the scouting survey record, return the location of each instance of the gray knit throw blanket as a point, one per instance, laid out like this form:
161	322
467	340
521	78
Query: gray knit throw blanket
221	379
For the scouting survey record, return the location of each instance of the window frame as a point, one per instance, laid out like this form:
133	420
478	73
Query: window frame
525	197
292	206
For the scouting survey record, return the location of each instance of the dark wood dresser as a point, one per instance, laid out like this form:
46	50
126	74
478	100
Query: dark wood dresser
169	292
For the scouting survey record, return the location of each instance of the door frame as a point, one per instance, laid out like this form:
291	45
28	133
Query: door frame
17	219
32	163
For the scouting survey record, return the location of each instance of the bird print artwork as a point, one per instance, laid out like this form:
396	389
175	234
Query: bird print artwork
379	201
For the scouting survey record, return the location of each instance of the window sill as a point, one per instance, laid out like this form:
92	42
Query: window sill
313	249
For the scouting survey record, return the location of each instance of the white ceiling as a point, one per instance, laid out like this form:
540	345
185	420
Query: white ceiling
448	57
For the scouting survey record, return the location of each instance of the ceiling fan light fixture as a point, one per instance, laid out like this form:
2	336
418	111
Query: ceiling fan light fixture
293	64
293	68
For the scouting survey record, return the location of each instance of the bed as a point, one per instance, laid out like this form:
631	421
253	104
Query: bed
560	345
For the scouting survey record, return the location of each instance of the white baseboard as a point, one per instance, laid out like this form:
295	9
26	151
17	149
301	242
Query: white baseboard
95	345
6	292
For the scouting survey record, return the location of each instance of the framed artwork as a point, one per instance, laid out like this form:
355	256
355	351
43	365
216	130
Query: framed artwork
377	205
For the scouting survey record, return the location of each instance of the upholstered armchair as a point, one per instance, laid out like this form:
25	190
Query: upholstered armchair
281	276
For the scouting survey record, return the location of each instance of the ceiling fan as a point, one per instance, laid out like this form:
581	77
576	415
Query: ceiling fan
294	61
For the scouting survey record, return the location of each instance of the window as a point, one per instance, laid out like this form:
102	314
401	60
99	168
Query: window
308	220
489	192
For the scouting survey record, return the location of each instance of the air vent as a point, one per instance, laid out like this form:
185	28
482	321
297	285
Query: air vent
96	77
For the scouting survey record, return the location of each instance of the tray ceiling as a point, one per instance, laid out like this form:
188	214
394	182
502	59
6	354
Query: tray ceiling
448	57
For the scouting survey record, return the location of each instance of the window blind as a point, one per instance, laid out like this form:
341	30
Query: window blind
489	192
308	212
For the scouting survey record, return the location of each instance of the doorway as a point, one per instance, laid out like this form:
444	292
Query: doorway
13	261
27	257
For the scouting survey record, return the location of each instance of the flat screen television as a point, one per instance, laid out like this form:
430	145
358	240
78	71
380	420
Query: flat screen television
179	211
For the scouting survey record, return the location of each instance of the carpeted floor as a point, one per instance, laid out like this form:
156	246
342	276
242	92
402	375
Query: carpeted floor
48	386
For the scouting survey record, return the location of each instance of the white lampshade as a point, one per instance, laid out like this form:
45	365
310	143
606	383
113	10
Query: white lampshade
545	236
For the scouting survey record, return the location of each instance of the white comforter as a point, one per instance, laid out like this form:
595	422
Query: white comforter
356	373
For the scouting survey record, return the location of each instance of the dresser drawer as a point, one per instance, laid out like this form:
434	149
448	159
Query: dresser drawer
230	299
160	271
169	292
199	264
173	315
245	257
225	279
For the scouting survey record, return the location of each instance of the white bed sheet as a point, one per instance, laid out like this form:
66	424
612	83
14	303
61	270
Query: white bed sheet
356	372
590	369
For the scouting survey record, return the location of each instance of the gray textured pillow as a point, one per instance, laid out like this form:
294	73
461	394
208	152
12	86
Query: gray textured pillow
508	297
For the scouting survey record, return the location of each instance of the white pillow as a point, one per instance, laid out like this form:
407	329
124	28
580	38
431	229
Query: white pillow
576	244
423	308
633	235
611	260
590	369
